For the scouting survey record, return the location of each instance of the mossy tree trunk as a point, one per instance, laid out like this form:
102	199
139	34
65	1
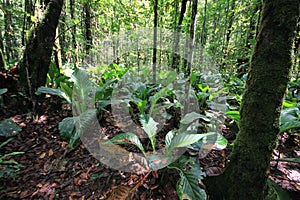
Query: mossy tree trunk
37	55
248	169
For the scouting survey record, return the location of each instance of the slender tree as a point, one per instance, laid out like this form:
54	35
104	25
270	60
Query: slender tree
248	169
73	33
9	32
87	22
175	56
155	25
2	58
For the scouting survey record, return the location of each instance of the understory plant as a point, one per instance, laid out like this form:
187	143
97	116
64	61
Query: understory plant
145	98
8	167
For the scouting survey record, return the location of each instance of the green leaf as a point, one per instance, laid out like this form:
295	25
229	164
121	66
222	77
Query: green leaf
53	91
190	117
161	93
235	115
11	154
67	127
85	119
169	137
82	89
6	142
288	104
188	187
8	128
128	138
295	160
149	126
3	90
66	89
221	142
187	138
289	119
281	193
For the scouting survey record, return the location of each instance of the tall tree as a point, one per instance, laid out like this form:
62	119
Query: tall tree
155	40
27	18
37	55
175	56
9	32
74	33
87	22
2	59
248	169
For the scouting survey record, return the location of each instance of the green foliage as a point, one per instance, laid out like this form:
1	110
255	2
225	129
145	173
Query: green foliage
55	77
3	90
54	91
72	127
127	138
8	128
8	166
290	119
190	175
276	192
294	160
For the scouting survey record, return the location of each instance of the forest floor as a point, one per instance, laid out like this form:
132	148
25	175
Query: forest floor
51	170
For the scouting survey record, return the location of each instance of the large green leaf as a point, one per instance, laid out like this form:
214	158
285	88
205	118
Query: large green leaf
82	92
190	117
289	119
53	91
128	138
85	119
8	128
187	138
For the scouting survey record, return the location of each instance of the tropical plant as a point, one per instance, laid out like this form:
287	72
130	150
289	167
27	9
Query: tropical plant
190	175
8	166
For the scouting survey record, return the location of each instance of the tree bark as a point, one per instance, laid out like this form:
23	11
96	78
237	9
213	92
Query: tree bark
175	56
73	33
9	33
248	169
154	41
37	55
88	31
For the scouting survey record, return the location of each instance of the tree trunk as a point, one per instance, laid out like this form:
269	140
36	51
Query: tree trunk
88	31
57	51
154	41
37	55
248	169
191	40
2	58
175	55
9	33
28	14
73	33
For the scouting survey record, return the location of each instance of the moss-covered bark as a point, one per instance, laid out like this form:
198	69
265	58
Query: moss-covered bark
37	55
247	172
